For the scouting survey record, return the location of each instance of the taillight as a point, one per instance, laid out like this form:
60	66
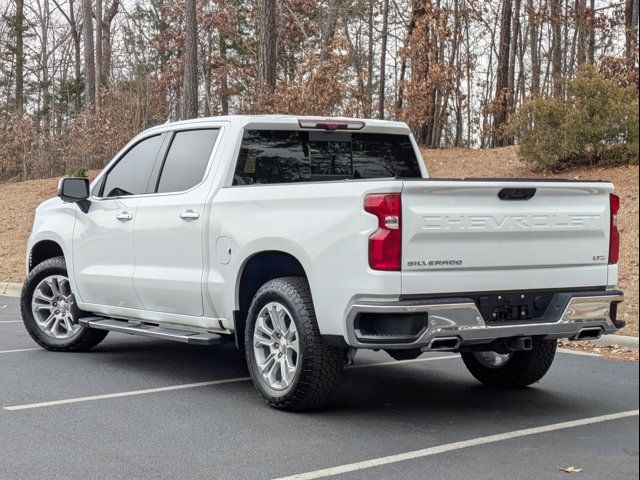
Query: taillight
614	235
385	244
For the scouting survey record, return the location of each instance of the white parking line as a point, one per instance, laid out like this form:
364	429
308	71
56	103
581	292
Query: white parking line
474	442
192	385
10	321
125	394
21	350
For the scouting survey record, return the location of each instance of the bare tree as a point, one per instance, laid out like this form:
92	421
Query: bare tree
631	31
107	20
556	46
268	45
190	81
383	58
98	51
19	54
502	75
89	59
535	62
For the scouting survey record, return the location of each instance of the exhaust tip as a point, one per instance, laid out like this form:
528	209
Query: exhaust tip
445	343
592	333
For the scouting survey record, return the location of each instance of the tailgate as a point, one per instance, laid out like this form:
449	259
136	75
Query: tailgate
475	235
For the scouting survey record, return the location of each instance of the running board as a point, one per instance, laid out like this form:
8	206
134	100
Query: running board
122	326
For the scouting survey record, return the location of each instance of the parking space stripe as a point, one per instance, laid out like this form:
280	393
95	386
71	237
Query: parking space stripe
126	394
191	385
10	321
474	442
21	350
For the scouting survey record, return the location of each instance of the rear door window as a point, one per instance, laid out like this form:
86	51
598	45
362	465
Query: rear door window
187	159
280	156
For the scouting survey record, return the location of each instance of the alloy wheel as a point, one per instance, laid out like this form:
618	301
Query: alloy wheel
276	346
51	305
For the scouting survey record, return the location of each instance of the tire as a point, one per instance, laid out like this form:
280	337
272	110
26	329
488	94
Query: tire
520	370
318	366
82	338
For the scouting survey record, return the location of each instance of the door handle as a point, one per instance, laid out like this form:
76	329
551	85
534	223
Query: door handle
189	215
124	216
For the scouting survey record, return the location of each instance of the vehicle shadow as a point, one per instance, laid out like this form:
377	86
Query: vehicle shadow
418	393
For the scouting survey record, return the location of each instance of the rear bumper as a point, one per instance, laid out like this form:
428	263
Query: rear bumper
454	323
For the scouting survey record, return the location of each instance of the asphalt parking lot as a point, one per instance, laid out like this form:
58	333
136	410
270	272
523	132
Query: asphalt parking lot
142	408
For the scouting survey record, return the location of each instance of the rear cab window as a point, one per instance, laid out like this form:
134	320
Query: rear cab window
287	156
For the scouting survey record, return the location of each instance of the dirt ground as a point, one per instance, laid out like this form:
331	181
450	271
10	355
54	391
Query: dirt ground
18	201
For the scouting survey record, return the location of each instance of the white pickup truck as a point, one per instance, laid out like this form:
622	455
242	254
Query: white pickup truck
305	239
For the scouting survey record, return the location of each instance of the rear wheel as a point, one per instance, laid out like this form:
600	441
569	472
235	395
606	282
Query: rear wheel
515	369
49	310
289	362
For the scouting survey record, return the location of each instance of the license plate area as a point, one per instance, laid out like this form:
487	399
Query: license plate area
514	307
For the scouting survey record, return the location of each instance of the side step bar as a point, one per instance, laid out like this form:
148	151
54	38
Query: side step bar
184	336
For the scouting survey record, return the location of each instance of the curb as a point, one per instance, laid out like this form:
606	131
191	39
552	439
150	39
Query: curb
9	289
618	341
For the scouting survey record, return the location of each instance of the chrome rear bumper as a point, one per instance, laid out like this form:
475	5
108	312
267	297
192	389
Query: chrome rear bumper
569	315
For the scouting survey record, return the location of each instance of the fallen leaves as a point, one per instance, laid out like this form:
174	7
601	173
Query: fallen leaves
571	469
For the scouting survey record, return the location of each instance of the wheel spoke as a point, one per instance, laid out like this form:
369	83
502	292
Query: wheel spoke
68	325
273	371
41	306
39	295
262	328
276	320
53	284
55	326
266	363
284	371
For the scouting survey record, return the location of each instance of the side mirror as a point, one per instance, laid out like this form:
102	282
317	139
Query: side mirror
75	190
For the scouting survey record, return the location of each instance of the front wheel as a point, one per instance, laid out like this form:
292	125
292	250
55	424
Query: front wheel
290	364
515	369
49	310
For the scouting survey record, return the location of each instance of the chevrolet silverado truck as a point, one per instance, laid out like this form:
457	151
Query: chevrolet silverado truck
305	239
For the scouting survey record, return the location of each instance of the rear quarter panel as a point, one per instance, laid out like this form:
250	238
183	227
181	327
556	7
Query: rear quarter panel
323	225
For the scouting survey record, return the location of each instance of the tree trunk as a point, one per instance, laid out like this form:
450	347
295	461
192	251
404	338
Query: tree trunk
515	33
502	80
591	52
19	52
268	45
535	62
383	59
581	21
631	31
98	51
329	29
112	11
89	60
224	87
190	80
369	106
556	47
416	11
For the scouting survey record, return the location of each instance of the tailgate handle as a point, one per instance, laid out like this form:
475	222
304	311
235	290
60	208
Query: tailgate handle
516	193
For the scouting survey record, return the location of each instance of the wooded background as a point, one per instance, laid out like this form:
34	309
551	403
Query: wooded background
79	78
